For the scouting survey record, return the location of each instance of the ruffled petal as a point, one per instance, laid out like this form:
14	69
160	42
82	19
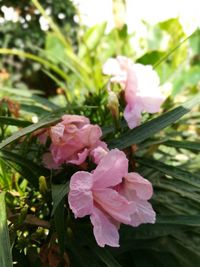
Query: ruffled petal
152	104
57	132
89	135
132	115
79	158
105	231
117	206
149	93
75	119
142	187
144	213
80	196
111	67
98	153
110	170
62	153
117	68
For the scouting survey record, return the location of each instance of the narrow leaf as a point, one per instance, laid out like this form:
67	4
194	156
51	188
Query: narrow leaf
150	128
191	220
59	220
183	144
176	172
58	193
103	254
13	121
44	122
5	249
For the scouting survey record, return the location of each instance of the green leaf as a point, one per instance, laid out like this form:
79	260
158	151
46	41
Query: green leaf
176	172
32	108
186	78
54	46
152	127
194	43
45	102
21	53
46	121
26	167
13	121
191	220
195	146
60	225
151	57
92	38
58	193
103	254
5	249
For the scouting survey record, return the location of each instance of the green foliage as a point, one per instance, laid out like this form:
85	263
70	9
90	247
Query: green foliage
164	149
5	250
26	34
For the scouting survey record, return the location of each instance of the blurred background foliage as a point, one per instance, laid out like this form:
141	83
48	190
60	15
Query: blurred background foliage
56	68
23	27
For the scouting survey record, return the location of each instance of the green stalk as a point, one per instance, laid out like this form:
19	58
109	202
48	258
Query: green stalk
172	51
52	24
6	51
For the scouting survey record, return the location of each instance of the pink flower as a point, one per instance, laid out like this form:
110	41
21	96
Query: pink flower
99	152
138	190
73	139
141	85
111	199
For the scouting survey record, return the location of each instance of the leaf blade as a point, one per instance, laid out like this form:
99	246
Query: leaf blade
5	249
44	122
149	128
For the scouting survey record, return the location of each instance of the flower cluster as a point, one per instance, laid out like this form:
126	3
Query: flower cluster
109	194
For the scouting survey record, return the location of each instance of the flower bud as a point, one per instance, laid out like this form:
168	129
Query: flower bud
113	104
42	185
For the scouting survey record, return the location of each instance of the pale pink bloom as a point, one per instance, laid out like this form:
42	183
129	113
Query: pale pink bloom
141	85
138	190
117	68
104	195
99	152
72	141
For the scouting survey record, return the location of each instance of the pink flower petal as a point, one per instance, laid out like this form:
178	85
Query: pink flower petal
142	187
141	85
132	116
105	232
79	158
111	67
62	153
131	87
42	137
152	104
80	196
110	170
57	133
144	213
90	135
98	153
117	206
75	119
